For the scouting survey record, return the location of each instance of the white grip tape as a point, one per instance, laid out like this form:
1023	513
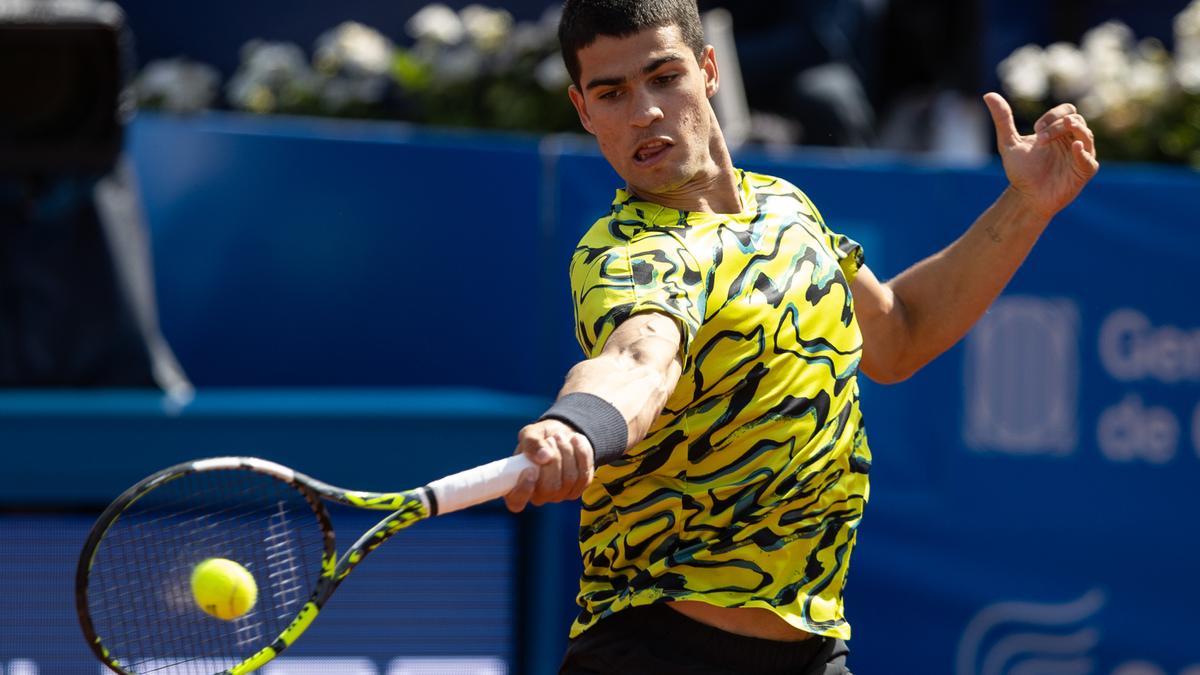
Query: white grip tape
478	485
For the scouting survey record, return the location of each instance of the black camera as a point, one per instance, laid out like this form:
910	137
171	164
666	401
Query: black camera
63	75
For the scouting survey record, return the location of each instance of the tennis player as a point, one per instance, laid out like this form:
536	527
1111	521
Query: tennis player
725	325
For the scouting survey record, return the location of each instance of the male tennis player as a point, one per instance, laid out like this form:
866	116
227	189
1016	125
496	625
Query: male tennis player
725	326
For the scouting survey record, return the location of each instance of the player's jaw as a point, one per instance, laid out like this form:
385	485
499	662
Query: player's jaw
665	158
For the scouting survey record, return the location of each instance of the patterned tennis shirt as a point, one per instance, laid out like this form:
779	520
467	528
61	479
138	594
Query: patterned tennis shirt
750	485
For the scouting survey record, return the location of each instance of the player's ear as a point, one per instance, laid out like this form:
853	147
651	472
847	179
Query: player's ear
712	74
580	104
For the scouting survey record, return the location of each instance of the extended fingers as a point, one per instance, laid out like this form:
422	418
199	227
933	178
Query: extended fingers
1053	115
1002	118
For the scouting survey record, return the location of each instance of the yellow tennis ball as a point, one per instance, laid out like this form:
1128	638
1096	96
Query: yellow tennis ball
223	588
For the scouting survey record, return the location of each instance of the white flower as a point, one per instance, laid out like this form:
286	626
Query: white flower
1111	36
1152	50
457	65
1187	32
178	85
1068	70
354	50
1187	73
436	23
1092	106
340	92
553	14
1187	22
1106	97
1110	66
1024	75
487	28
269	72
552	74
274	61
1149	81
527	37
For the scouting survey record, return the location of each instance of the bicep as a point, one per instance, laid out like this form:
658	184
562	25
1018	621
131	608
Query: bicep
649	274
649	340
636	369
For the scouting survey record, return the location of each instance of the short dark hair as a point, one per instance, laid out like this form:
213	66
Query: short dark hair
585	20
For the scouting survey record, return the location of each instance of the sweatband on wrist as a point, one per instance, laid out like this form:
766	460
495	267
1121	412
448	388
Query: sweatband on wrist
598	420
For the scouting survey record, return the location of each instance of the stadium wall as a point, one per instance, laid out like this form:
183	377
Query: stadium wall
1032	488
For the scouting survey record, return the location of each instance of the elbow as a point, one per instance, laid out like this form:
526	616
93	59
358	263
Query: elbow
893	369
890	353
891	375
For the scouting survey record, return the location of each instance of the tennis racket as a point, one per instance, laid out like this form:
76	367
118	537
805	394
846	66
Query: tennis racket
132	586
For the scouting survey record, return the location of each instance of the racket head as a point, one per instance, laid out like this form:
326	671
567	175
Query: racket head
133	583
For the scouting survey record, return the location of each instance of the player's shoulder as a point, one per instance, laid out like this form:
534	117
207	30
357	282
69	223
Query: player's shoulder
764	184
783	193
609	231
629	221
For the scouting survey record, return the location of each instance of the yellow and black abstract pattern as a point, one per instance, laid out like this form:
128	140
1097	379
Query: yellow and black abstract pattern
750	485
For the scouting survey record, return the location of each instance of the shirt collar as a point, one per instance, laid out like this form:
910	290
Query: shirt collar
627	206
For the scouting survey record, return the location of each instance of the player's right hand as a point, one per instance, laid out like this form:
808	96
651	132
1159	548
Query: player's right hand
564	465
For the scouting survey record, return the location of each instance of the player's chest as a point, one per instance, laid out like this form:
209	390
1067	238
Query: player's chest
766	267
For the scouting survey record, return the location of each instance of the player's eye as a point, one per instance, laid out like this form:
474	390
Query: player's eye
610	94
666	79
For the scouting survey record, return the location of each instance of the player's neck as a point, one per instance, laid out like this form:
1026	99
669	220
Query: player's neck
714	189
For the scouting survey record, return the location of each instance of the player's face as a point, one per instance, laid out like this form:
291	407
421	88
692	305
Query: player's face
645	98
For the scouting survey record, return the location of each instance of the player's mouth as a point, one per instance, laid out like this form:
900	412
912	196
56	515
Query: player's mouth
650	152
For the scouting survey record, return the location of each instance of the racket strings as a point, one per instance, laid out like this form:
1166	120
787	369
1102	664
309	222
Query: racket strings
139	588
285	572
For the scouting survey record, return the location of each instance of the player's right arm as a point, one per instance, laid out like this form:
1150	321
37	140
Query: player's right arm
635	372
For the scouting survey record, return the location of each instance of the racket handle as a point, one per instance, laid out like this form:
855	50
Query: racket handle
478	485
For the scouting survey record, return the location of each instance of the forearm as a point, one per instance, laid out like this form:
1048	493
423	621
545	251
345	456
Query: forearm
940	298
635	373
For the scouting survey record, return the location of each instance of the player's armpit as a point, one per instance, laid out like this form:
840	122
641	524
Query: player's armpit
882	318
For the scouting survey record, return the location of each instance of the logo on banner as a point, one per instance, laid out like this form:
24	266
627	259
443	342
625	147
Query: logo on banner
1144	425
1022	377
1008	638
1148	668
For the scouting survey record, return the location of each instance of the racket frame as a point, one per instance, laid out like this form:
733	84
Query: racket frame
407	508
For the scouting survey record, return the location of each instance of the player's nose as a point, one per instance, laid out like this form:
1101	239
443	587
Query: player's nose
646	111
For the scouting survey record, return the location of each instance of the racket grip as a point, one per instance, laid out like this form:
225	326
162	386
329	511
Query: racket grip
478	485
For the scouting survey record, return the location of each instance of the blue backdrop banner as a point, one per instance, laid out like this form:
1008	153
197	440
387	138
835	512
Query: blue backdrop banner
1033	490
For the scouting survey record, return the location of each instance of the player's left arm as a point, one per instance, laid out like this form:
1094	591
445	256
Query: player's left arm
911	319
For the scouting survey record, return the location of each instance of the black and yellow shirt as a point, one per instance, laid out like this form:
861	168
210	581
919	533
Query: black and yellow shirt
749	487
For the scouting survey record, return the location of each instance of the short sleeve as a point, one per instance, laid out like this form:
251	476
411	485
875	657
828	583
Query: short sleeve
849	253
614	278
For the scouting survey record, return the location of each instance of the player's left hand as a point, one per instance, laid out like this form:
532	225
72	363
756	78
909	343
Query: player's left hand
1049	167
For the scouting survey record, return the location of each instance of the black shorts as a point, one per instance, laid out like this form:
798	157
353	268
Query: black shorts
657	640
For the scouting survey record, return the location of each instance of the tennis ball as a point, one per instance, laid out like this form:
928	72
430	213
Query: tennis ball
223	588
